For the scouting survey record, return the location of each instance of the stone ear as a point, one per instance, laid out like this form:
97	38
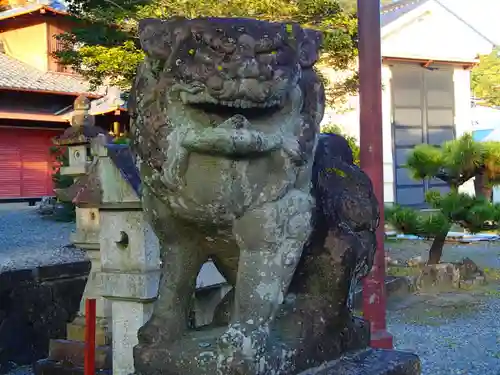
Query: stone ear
310	48
154	36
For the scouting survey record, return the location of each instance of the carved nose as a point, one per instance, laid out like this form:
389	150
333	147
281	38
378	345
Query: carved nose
249	68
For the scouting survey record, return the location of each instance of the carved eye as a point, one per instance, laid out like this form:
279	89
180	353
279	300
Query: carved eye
219	30
240	29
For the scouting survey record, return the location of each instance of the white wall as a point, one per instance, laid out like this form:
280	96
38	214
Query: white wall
463	107
347	117
389	183
436	34
463	113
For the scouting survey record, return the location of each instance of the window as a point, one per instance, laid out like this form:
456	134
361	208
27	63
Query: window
56	45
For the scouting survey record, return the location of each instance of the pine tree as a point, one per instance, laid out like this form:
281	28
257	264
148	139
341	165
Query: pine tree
455	162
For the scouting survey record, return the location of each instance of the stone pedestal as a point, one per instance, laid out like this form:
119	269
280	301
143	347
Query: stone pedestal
130	256
131	274
87	237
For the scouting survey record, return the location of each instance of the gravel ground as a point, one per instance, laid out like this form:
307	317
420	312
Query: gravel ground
452	334
27	240
24	370
459	339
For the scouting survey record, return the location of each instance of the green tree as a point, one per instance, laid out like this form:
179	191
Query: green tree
353	144
473	214
455	162
486	78
351	5
108	49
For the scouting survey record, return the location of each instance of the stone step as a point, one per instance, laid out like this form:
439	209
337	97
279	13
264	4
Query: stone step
73	353
48	367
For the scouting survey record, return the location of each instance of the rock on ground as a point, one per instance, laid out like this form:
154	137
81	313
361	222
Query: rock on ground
485	254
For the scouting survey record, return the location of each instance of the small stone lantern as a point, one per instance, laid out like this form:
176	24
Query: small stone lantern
78	137
130	256
84	193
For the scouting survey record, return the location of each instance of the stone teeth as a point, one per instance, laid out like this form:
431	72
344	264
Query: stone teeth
238	103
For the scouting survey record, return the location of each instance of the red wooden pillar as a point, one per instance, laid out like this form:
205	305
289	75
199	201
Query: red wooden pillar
90	326
371	157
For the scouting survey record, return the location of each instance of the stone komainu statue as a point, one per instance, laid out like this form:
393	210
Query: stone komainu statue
225	120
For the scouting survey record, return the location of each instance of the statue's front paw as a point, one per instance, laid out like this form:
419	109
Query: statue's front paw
246	340
148	333
156	331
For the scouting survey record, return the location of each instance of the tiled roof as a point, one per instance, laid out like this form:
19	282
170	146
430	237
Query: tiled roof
15	74
393	11
29	8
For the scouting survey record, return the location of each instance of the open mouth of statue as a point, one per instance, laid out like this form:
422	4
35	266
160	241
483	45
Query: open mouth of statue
225	110
238	127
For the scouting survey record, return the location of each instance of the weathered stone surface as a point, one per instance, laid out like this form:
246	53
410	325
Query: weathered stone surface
35	306
75	331
464	274
124	161
444	275
371	362
49	367
83	128
79	135
73	353
225	120
46	206
469	270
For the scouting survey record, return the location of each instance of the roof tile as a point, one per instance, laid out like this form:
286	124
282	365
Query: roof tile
391	12
30	8
15	74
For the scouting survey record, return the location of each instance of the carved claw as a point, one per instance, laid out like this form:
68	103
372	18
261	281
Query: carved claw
176	162
291	147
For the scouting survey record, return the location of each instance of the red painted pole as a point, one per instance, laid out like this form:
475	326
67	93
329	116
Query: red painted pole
371	157
90	323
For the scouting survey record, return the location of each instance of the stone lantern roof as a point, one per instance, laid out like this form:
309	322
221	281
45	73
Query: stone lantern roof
87	189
